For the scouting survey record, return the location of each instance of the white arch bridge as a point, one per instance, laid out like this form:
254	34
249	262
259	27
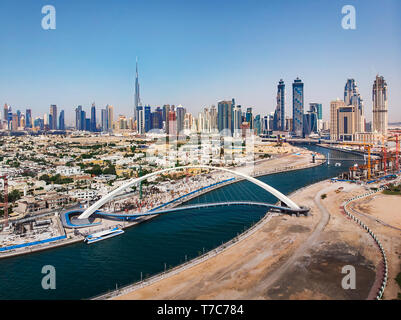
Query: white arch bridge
290	206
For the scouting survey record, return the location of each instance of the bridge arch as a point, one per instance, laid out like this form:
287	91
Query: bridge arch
98	204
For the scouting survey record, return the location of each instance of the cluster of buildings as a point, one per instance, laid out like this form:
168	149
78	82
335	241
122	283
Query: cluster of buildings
347	118
49	173
18	121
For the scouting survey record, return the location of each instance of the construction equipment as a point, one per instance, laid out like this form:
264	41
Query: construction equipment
384	151
367	147
396	138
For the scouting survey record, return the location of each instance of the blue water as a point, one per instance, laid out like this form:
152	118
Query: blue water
83	271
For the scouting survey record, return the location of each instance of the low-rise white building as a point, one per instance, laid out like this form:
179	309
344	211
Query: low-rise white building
68	171
83	194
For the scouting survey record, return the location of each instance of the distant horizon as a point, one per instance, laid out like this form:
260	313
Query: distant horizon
189	54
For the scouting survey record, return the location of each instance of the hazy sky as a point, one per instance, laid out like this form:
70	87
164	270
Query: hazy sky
195	53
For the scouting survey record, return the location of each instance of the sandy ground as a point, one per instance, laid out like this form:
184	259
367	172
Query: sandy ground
273	148
288	258
386	208
298	158
382	213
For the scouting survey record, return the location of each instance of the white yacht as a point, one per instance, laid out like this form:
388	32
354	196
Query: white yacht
102	235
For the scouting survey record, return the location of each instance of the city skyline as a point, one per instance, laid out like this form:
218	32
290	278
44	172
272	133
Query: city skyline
351	97
191	75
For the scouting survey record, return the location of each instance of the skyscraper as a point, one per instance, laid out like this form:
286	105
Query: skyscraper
342	121
213	119
53	113
105	120
279	114
180	112
352	97
61	121
9	118
380	106
156	119
297	107
5	113
334	106
110	115
257	125
265	124
140	120
28	118
147	118
237	119
18	118
311	120
137	96
172	122
93	118
249	117
224	115
166	110
78	118
317	109
159	116
49	121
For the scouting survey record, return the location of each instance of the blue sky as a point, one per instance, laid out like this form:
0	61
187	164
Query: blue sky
195	53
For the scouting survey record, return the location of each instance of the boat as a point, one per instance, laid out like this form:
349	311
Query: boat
102	235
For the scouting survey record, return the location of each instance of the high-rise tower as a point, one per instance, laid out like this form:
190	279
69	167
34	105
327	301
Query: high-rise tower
279	114
61	121
110	117
93	118
297	107
380	106
352	97
180	114
137	96
28	118
53	112
224	116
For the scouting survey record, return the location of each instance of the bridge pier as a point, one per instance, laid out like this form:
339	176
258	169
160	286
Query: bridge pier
302	211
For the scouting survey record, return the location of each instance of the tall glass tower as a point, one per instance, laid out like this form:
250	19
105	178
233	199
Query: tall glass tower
28	118
279	114
137	96
225	115
61	121
352	97
53	112
78	118
380	106
297	107
93	118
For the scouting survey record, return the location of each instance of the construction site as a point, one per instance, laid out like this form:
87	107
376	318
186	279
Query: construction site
382	160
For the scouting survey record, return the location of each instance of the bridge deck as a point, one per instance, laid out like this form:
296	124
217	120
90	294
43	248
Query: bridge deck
124	216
